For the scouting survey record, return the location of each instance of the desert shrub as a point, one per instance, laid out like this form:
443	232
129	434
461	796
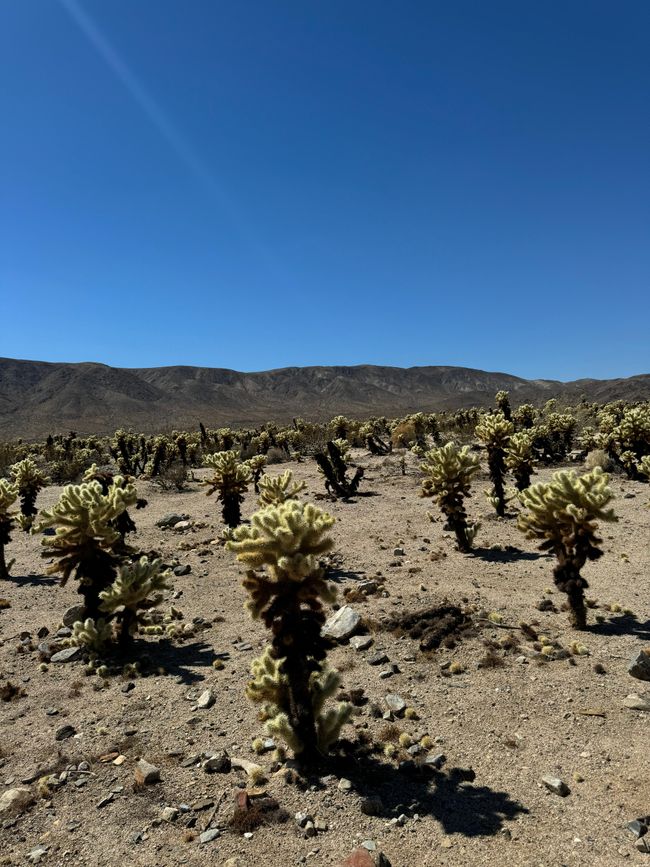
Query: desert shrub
230	477
563	513
276	455
8	496
448	472
494	432
291	679
173	477
598	458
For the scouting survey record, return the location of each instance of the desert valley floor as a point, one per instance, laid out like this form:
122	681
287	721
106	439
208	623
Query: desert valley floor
510	723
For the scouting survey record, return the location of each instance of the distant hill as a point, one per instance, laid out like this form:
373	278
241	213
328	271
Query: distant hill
38	397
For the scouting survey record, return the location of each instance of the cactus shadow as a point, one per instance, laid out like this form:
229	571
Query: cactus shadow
510	555
32	580
624	624
451	797
181	660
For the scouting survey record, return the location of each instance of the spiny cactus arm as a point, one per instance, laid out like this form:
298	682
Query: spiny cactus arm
330	723
280	726
277	489
91	634
135	583
8	496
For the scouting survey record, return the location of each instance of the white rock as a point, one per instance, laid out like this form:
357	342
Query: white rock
342	624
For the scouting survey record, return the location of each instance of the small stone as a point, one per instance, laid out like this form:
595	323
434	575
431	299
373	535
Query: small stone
15	801
360	642
342	624
372	806
556	785
169	814
219	763
302	819
206	700
146	774
179	571
242	646
68	654
309	830
180	526
377	658
171	519
250	768
637	702
344	785
369	845
209	835
638	827
436	761
51	711
119	760
64	733
105	801
74	614
639	666
395	703
36	854
398	552
128	687
321	825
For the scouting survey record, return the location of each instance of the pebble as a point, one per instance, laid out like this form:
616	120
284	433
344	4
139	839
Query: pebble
395	703
171	519
556	785
15	801
342	624
360	642
179	571
377	658
169	814
105	801
146	774
219	763
639	666
68	654
64	733
637	702
36	854
206	700
74	614
344	785
210	835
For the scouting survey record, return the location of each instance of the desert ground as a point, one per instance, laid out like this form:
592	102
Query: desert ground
501	727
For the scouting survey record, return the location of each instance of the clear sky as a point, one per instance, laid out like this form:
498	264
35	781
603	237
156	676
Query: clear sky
263	183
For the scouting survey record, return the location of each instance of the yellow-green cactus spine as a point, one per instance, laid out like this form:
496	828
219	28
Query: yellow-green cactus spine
85	537
502	400
520	458
448	474
494	432
256	465
274	490
8	496
291	679
563	512
230	477
30	481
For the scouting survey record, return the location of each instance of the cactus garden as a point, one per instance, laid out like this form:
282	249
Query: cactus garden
353	643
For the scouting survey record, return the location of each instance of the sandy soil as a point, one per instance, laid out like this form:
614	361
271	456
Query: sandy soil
511	724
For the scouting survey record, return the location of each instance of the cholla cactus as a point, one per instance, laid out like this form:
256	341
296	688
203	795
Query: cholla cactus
494	431
502	400
137	589
92	635
8	496
448	475
370	435
30	481
632	437
520	458
86	535
563	513
230	477
643	467
278	489
291	678
524	416
334	467
256	464
124	523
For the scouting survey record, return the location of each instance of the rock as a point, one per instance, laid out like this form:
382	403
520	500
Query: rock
436	761
146	774
206	700
251	768
637	702
344	785
639	666
368	587
377	658
398	552
169	814
242	646
171	519
395	703
360	642
179	571
556	785
68	654
209	835
15	801
36	854
73	615
638	827
359	858
302	819
233	862
105	801
64	733
219	763
372	806
342	624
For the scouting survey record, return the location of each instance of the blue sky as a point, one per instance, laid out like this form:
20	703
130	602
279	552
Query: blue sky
263	183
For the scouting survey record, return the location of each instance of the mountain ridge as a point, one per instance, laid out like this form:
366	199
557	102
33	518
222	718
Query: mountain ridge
41	397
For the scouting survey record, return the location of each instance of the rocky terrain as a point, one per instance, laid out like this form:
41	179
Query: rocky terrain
38	398
528	761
